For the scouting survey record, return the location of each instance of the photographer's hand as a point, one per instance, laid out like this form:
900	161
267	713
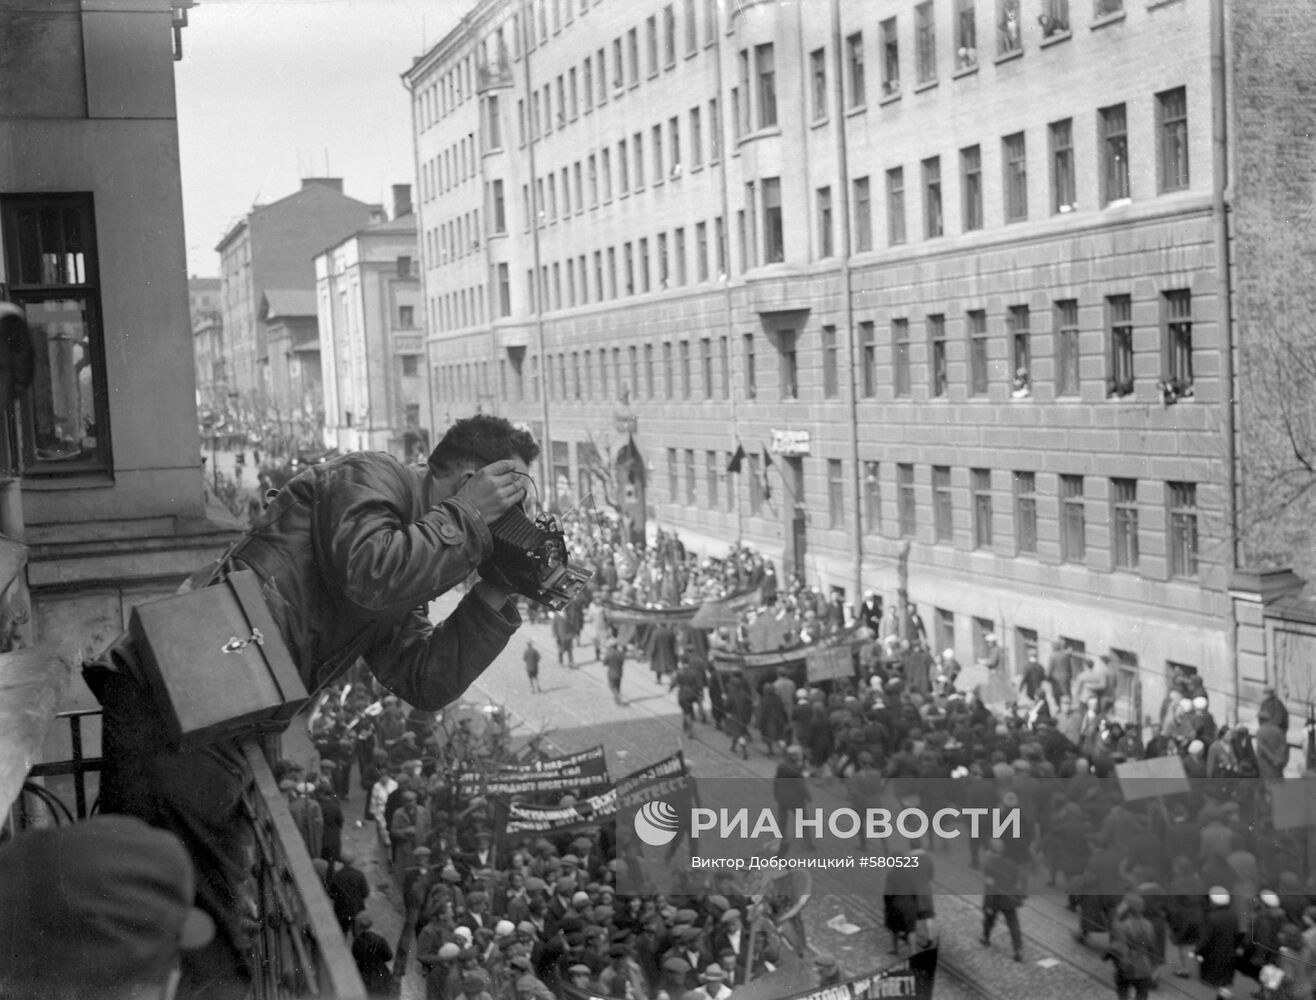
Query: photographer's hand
494	490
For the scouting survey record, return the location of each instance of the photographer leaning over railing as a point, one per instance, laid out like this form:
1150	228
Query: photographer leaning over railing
349	556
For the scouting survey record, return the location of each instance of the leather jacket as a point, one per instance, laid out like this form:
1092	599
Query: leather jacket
350	554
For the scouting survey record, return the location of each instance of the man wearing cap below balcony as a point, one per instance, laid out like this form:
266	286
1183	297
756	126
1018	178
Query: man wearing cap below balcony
372	954
101	909
1217	948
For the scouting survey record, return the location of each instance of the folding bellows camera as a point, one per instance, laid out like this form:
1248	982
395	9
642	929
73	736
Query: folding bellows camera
531	559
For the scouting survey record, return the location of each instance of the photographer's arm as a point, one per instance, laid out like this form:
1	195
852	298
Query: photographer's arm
380	560
431	666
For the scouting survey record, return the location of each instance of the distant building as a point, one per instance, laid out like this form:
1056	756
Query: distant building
961	272
296	399
371	343
271	248
204	295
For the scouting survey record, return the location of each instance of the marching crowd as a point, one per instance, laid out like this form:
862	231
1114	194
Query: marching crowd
487	920
1195	884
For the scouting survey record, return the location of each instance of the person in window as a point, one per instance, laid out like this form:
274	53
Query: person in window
350	555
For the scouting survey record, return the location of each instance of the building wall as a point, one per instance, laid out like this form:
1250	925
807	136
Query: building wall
100	544
361	293
273	248
1157	240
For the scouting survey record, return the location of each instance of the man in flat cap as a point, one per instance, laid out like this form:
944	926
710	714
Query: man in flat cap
101	909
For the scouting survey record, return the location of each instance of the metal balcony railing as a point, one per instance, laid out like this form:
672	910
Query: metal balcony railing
300	950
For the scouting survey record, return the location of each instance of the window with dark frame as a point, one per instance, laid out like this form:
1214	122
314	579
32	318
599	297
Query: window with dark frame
971	187
1067	347
673	477
1172	126
939	369
943	507
669	371
981	487
818	84
872	498
751	376
1054	18
755	484
944	628
868	358
831	357
724	350
1064	196
1177	306
854	60
977	322
900	360
890	42
1073	520
691	27
684	354
1114	154
765	69
1119	324
895	205
789	365
669	36
863	215
701	251
712	470
835	494
1014	153
1021	352
1008	35
905	499
1183	530
706	366
933	222
50	245
825	228
696	138
1124	523
966	35
925	43
691	489
1025	513
774	249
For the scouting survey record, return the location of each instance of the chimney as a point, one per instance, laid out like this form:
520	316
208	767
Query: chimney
401	200
333	183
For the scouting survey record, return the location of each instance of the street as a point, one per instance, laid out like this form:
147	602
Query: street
576	711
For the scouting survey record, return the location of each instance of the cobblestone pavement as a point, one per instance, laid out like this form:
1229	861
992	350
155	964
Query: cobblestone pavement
576	711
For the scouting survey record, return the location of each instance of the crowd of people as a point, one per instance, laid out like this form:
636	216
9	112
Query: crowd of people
1198	883
533	917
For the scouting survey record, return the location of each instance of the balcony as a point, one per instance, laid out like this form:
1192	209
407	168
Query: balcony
299	949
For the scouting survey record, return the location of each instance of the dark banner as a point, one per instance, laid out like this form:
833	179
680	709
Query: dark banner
601	807
522	818
911	978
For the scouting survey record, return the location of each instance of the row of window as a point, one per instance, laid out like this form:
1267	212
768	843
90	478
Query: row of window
984	354
449	168
1071	507
635	268
761	225
580	89
452	240
1011	19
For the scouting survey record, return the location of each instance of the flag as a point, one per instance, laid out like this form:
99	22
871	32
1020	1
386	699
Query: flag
767	464
736	459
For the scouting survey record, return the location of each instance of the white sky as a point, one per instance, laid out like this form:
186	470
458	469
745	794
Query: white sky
269	90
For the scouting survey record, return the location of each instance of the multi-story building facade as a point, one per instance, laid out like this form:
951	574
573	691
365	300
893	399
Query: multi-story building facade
959	271
368	300
271	248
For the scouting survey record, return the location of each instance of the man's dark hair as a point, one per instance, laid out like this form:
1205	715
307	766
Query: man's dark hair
480	440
